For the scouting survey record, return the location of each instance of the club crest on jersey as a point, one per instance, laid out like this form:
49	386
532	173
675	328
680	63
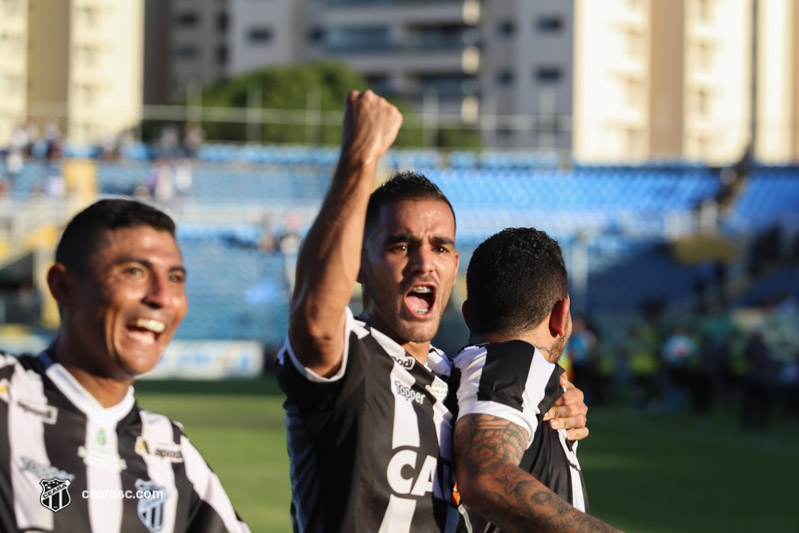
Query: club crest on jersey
163	450
151	505
55	494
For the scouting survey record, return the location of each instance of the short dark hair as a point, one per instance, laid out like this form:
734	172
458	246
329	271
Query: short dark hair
403	186
82	235
513	281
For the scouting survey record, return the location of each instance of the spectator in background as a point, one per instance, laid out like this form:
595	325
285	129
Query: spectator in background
580	351
193	139
680	354
757	399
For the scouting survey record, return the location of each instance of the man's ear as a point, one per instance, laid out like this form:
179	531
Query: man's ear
63	286
559	318
466	313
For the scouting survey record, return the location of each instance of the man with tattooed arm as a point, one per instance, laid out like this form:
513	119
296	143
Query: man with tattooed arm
514	472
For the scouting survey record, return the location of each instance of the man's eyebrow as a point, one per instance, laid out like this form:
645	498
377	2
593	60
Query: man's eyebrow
440	239
401	237
148	263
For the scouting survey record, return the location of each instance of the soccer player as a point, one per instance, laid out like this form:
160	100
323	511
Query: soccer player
77	453
368	400
514	471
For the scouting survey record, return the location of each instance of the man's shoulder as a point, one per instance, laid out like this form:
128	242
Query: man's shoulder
10	363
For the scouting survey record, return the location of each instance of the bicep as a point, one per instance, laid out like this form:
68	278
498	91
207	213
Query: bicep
485	443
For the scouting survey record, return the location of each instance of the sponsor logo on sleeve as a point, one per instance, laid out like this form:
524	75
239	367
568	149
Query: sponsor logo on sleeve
48	413
4	390
27	464
163	450
405	362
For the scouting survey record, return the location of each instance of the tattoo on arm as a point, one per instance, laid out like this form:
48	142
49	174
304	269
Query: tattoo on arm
489	449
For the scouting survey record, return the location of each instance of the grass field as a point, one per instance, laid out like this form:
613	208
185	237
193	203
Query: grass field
644	473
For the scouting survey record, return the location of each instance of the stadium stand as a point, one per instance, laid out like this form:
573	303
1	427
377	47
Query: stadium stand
621	214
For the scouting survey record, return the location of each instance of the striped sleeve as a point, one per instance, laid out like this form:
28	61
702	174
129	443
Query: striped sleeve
506	380
212	511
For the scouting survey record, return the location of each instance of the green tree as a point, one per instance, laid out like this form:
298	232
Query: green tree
298	92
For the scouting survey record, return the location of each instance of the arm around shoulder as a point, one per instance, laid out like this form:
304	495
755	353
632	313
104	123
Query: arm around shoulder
488	451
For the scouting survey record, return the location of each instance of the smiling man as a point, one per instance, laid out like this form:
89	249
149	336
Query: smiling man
369	402
78	454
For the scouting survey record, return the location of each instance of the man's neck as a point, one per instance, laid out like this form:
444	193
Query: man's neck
532	337
106	390
418	350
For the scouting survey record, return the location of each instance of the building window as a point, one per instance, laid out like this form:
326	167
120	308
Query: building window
506	28
704	10
222	22
316	35
702	102
505	78
548	74
549	24
187	51
188	20
259	35
221	55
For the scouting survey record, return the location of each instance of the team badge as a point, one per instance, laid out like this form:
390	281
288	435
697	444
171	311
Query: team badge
151	505
55	493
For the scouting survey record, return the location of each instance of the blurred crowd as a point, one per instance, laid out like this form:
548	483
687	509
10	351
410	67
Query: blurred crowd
170	159
748	362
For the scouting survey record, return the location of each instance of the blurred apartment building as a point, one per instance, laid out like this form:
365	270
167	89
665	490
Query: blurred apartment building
609	80
74	63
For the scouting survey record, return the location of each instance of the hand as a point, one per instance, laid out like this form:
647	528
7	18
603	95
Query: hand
371	125
569	412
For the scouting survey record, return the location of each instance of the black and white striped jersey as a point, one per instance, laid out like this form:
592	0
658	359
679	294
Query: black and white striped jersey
370	447
69	465
514	381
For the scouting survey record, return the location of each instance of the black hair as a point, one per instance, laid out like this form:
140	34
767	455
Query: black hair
83	235
403	186
513	281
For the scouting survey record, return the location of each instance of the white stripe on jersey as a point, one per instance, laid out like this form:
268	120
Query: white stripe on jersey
471	361
29	444
406	423
158	429
208	486
101	456
399	515
578	498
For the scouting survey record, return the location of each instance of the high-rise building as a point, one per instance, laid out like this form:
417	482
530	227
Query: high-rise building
686	79
74	63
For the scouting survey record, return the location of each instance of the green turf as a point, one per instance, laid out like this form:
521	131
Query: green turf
648	474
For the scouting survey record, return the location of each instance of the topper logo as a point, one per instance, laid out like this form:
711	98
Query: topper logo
408	393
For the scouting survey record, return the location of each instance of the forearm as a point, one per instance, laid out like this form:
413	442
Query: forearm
488	451
329	260
520	503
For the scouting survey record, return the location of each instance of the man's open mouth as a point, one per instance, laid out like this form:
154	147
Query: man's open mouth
146	330
420	300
